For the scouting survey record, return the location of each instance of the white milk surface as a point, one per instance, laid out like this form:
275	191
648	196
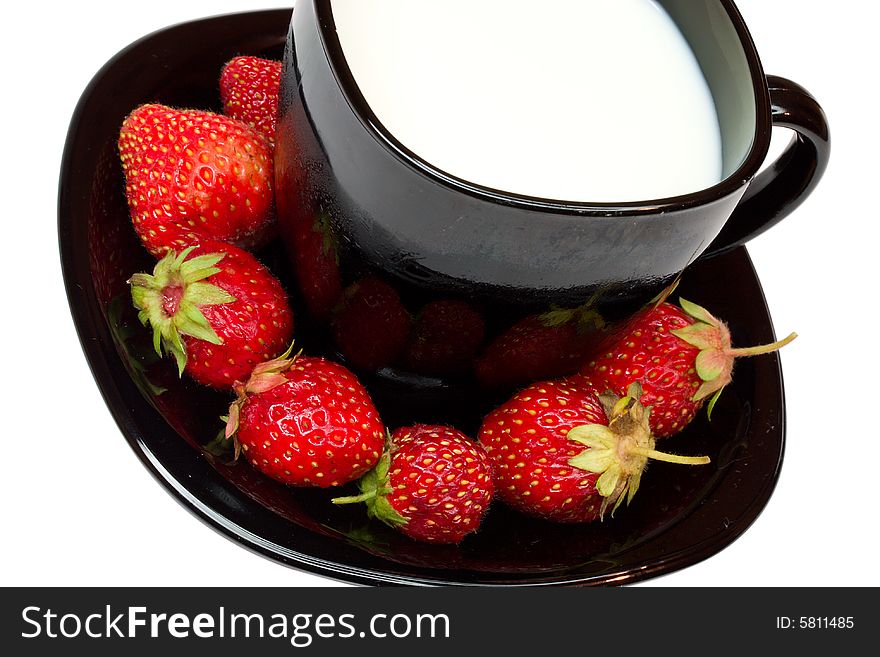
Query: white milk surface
574	100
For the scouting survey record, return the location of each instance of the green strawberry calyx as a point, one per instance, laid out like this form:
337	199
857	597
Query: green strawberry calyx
587	319
322	227
264	377
619	452
375	488
714	363
170	301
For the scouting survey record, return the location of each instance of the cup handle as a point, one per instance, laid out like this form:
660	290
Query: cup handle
775	192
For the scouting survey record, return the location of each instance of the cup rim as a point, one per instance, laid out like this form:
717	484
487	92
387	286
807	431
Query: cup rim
730	184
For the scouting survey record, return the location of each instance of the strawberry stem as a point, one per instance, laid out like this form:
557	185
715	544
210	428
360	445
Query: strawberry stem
762	349
666	292
669	458
355	499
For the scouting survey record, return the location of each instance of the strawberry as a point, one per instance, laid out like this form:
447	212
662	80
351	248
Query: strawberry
307	230
216	309
306	422
317	268
249	91
537	442
681	356
445	339
432	484
371	326
545	346
193	175
111	242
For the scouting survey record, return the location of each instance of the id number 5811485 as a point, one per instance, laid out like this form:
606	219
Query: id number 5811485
815	622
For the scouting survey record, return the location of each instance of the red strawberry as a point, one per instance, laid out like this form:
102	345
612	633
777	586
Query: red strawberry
432	484
545	346
216	309
306	422
371	325
249	91
307	230
536	442
681	357
193	175
111	242
317	268
445	339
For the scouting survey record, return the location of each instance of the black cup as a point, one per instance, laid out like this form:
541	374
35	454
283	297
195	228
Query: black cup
424	226
345	181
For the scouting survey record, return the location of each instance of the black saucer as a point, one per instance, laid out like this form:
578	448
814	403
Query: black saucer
681	515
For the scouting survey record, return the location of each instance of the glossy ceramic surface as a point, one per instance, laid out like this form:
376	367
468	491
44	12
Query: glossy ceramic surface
681	515
424	228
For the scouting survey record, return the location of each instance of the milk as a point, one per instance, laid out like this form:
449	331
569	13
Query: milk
572	100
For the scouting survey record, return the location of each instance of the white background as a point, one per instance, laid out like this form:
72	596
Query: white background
78	507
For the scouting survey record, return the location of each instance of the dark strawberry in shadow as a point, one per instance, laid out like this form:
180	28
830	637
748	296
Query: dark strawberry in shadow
317	267
545	346
445	339
370	325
